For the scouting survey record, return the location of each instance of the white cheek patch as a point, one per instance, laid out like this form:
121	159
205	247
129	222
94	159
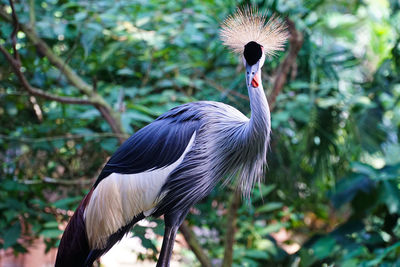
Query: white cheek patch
118	198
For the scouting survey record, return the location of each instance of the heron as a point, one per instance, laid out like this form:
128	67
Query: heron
172	163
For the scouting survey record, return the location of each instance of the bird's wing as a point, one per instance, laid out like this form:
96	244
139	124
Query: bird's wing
130	182
155	146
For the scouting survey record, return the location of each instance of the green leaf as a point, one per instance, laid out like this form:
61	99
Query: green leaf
82	131
327	102
125	72
65	202
109	144
269	207
383	254
159	229
134	116
324	247
138	230
348	187
80	16
143	109
58	143
272	228
257	254
265	190
109	52
299	85
248	262
9	185
364	168
89	114
51	233
51	224
390	195
11	235
11	109
87	40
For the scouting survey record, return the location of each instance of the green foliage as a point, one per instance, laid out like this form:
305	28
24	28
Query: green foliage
369	236
331	195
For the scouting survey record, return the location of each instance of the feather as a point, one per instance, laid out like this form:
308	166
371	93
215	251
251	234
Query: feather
247	25
155	146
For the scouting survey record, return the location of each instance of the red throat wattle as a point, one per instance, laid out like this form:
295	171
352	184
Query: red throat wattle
255	82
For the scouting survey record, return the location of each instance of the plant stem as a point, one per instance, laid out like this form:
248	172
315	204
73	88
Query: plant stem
234	204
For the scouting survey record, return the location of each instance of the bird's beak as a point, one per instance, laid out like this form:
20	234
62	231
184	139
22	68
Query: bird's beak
252	75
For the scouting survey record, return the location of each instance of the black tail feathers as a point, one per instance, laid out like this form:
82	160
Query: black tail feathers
74	246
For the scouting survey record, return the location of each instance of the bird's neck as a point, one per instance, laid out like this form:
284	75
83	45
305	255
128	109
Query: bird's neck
260	120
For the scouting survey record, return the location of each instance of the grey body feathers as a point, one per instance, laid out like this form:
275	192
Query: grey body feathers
227	144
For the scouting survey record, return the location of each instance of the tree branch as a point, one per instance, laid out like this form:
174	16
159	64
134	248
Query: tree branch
194	244
45	50
32	16
226	91
234	204
62	137
115	124
14	32
112	117
295	44
49	180
36	91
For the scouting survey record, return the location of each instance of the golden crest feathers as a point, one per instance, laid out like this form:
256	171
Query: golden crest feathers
247	25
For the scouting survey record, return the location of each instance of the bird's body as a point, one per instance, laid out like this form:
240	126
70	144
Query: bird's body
178	155
168	166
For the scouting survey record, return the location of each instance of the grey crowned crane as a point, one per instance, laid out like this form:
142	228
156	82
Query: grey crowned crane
175	161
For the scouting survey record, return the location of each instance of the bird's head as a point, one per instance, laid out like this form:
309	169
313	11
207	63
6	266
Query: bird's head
253	36
253	60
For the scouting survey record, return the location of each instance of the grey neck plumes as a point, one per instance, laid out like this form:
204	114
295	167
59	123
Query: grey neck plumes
260	120
257	136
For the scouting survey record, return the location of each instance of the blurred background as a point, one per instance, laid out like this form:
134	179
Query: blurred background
94	72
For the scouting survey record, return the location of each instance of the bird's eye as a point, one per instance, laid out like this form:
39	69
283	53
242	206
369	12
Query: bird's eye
247	72
252	72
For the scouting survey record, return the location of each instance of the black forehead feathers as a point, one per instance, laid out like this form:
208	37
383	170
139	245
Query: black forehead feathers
252	52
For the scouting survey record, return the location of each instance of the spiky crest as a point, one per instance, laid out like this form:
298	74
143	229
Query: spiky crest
247	25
